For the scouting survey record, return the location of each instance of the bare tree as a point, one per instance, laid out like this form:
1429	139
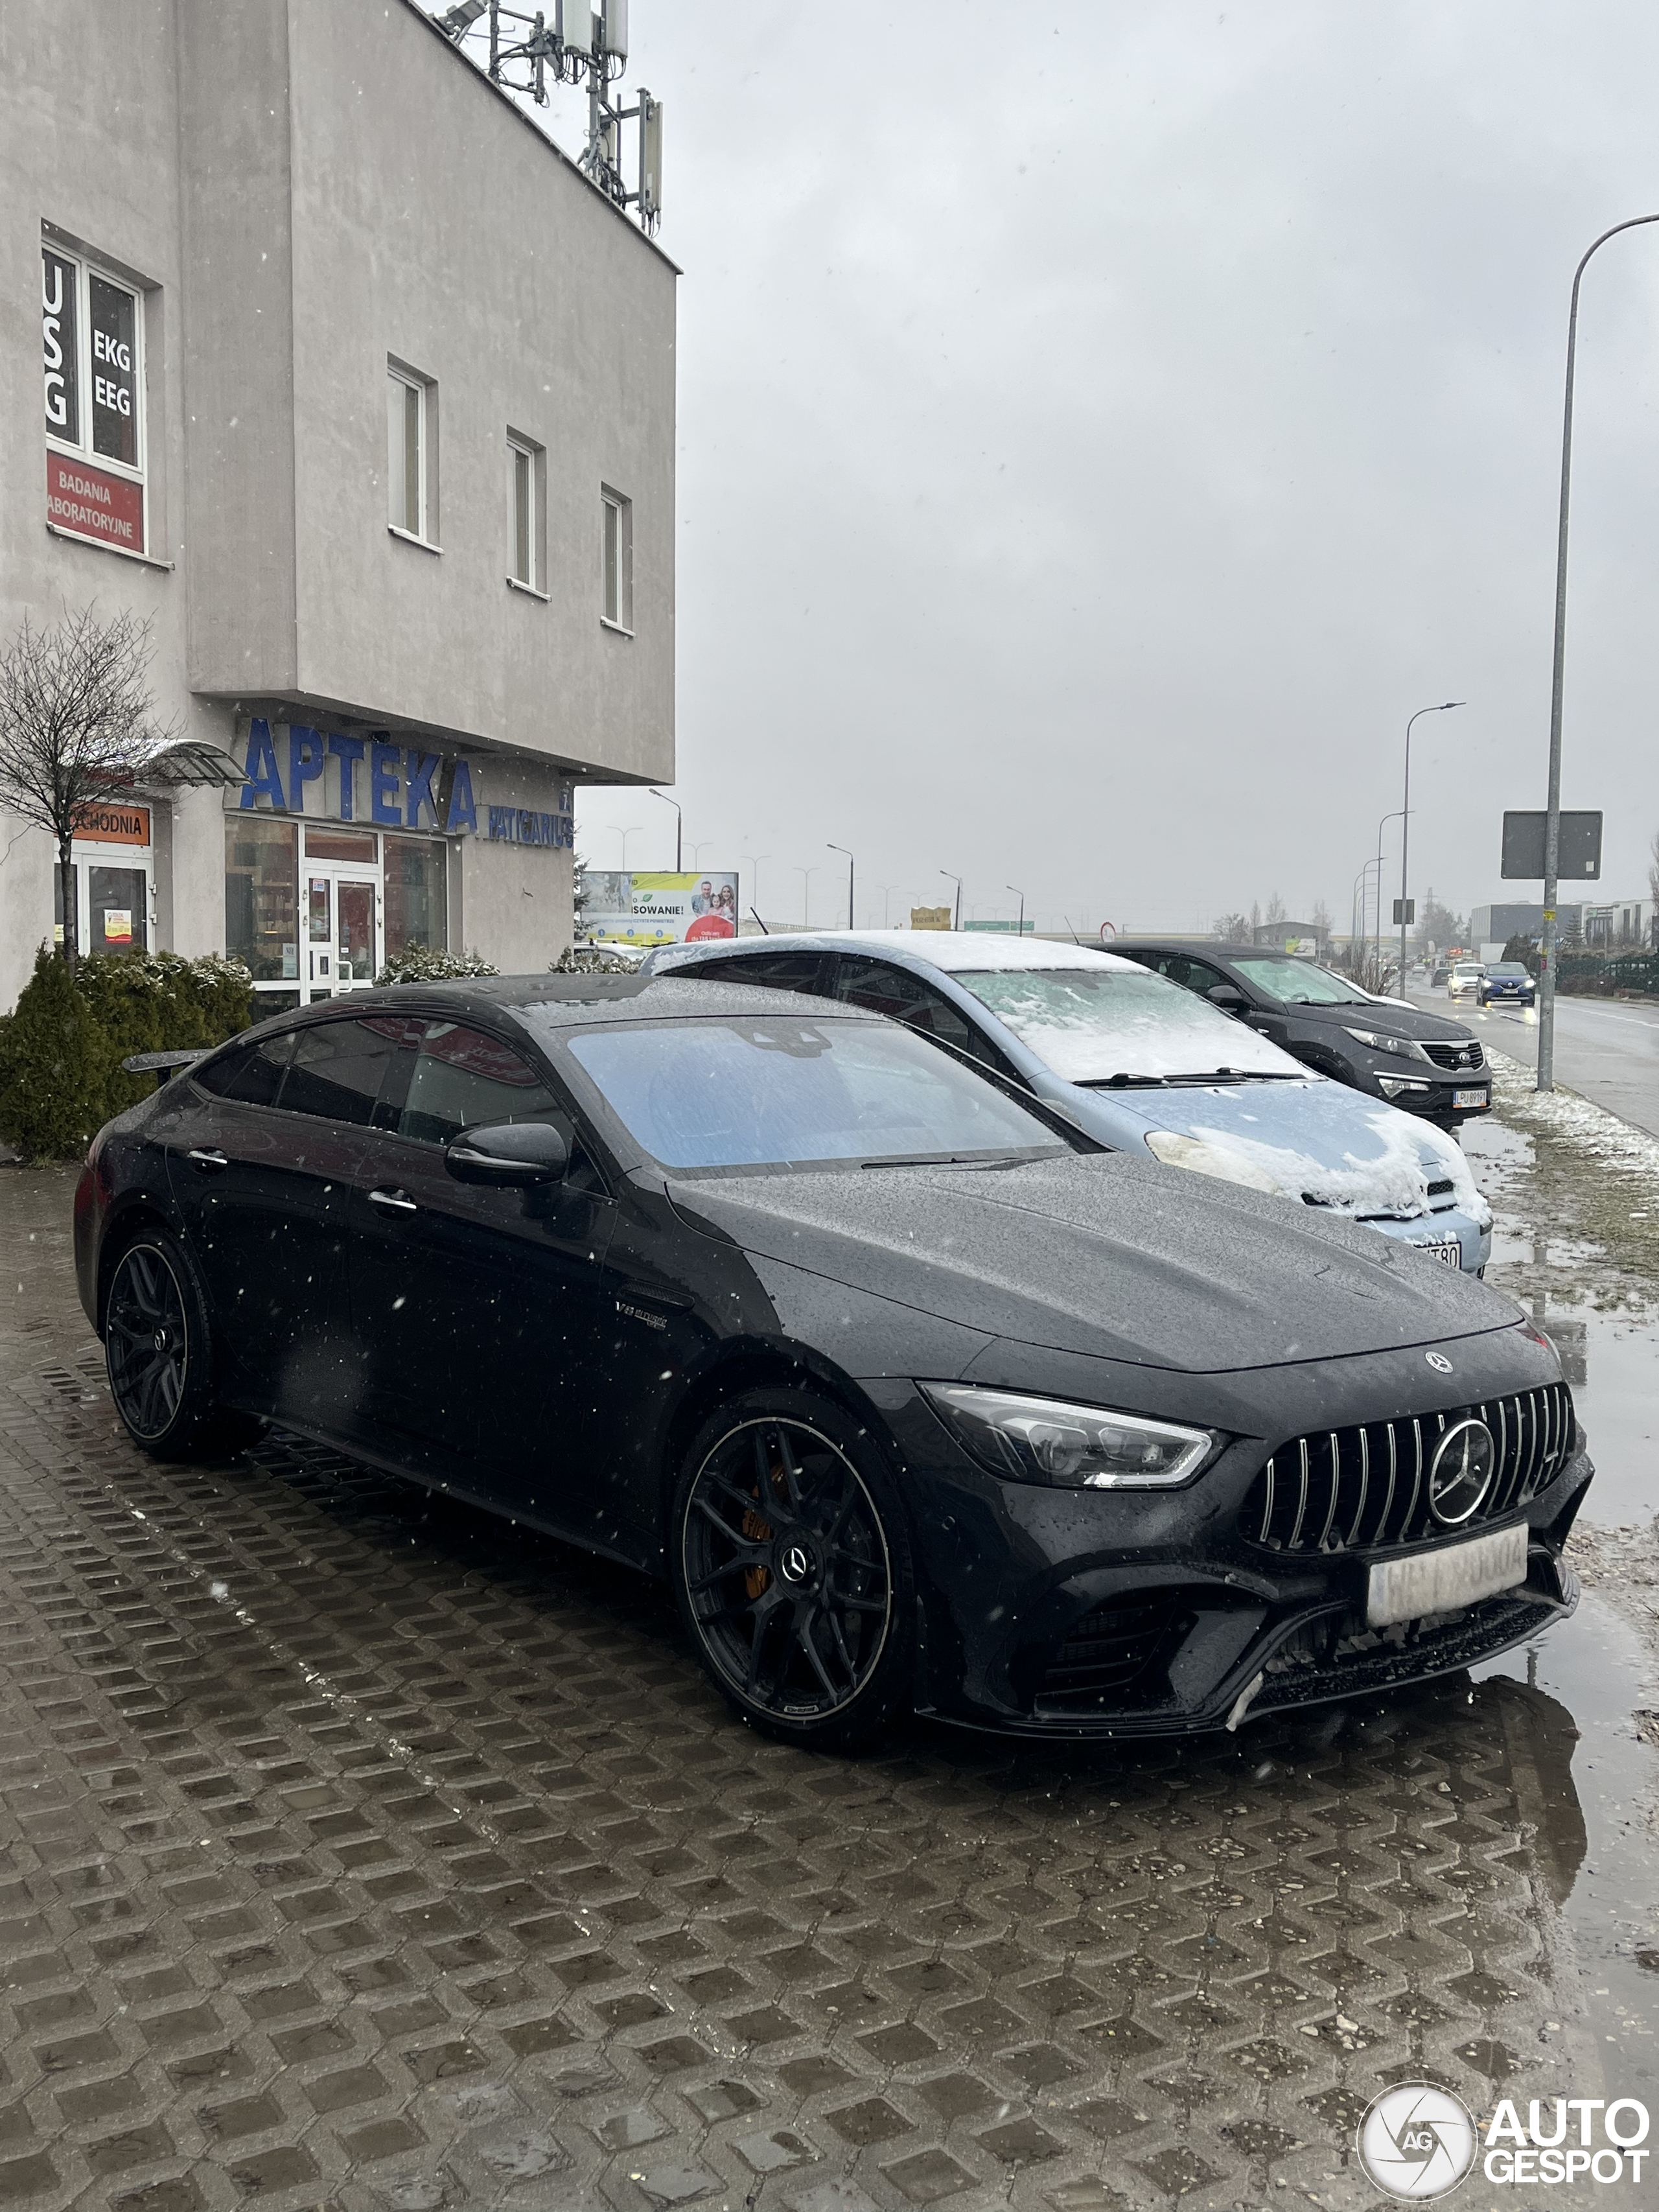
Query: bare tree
1653	869
1231	928
1275	909
76	725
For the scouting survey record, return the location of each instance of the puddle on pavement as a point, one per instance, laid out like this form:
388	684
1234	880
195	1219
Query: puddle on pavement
1601	1787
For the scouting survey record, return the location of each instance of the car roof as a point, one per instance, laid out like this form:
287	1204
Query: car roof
1205	948
952	949
573	1002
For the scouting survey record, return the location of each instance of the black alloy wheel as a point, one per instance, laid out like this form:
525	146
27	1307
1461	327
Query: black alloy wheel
157	1355
792	1576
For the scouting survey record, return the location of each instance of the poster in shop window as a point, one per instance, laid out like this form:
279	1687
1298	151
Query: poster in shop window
635	908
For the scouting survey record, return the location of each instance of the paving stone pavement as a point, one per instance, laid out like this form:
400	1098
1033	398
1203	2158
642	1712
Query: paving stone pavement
357	1852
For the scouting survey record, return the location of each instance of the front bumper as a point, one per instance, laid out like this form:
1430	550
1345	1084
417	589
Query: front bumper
1473	1238
1103	1615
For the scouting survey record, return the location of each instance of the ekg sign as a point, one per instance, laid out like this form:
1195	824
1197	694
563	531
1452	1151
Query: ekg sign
91	503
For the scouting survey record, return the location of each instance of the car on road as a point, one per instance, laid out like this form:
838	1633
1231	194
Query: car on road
1465	979
918	1396
1440	975
1507	982
1421	1062
1138	1063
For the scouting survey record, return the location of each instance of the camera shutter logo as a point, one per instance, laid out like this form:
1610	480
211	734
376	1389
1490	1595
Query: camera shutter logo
1460	1473
1417	2141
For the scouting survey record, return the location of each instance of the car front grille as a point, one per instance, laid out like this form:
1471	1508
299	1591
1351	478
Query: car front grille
1109	1649
1458	1056
1344	1489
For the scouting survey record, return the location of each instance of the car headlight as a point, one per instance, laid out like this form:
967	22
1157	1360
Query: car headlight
1048	1440
1176	1149
1380	1041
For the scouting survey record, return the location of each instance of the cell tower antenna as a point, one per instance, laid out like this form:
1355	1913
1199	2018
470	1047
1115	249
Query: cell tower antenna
585	41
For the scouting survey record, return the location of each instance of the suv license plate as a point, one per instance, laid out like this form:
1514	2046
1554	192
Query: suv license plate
1449	1255
1462	1099
1441	1581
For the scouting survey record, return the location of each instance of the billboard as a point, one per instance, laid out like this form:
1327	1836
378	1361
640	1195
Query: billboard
635	908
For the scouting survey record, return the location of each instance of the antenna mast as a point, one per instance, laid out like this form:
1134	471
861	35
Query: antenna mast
587	40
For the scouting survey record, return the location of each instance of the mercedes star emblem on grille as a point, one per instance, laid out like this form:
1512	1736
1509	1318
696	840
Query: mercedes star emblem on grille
1461	1472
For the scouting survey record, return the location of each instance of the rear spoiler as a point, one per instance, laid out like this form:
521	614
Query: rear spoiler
161	1064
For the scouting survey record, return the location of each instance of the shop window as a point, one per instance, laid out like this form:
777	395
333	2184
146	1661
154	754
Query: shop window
617	600
411	422
117	903
416	903
527	497
262	896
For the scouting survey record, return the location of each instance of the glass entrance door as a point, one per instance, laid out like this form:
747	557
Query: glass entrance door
343	931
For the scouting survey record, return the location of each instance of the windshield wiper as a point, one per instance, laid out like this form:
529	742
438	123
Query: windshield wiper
1121	1082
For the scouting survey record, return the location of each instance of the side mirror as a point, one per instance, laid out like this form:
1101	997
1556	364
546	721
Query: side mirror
1228	996
508	1154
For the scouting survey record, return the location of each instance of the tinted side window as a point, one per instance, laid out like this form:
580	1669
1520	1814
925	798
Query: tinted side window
777	971
253	1076
1191	975
462	1077
905	998
337	1072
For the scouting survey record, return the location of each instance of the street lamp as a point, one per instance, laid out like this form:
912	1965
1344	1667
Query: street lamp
1552	803
957	880
851	924
754	860
679	823
632	831
886	891
806	876
1357	898
1445	708
1381	826
1020	896
697	850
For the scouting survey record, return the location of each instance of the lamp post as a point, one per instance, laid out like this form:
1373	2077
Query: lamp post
851	924
1356	912
1020	896
632	831
679	824
754	860
1445	708
957	880
697	850
886	891
806	876
1552	803
1381	826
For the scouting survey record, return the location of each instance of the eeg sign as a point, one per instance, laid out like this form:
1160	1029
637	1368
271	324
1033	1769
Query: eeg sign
1418	2141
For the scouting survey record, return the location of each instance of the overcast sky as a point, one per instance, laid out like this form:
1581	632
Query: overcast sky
1101	426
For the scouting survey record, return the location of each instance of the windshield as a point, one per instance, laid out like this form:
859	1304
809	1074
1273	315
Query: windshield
778	1092
1506	968
1300	983
1098	1025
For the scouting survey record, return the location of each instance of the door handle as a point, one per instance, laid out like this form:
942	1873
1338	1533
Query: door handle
393	1202
206	1163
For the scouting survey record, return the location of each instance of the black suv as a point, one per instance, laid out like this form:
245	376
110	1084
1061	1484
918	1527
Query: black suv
1416	1061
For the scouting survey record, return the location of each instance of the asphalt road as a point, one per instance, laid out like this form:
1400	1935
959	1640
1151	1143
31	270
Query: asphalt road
1609	1052
358	1851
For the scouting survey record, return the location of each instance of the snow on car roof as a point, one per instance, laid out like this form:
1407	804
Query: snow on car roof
964	950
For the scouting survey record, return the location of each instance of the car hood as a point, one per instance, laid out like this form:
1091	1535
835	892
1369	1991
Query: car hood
1389	1017
1311	1142
1101	1254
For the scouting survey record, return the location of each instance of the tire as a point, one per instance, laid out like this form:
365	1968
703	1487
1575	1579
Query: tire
783	1502
158	1353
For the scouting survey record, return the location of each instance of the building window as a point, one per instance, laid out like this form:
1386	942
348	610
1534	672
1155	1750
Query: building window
411	472
527	498
617	605
262	897
93	387
417	896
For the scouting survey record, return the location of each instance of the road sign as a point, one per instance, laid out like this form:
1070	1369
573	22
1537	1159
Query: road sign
1579	855
1404	910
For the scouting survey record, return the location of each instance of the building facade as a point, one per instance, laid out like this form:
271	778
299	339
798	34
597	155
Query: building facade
348	383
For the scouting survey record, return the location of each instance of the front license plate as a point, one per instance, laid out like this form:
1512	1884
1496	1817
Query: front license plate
1449	1255
1462	1098
1439	1582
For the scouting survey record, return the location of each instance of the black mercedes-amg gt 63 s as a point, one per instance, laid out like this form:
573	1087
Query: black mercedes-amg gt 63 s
920	1398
